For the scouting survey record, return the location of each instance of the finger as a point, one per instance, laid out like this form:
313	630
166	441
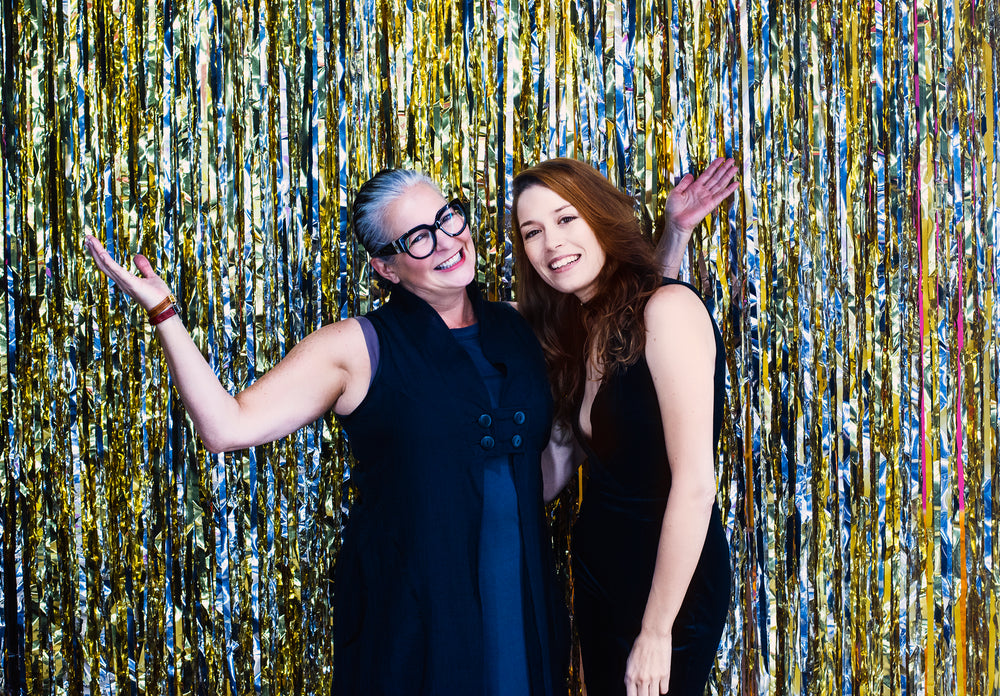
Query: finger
718	173
630	687
664	685
111	268
684	183
726	192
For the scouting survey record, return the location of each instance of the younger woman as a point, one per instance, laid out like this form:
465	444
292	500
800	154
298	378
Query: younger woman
637	368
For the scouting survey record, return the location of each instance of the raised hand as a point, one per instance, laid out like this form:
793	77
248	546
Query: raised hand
148	290
688	203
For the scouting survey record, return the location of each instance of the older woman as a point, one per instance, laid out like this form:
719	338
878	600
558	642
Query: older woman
444	583
638	365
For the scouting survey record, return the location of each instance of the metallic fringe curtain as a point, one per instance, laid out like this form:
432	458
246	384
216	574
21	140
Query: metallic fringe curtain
854	275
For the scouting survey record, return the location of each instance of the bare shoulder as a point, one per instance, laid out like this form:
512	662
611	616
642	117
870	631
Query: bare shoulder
341	342
677	308
345	330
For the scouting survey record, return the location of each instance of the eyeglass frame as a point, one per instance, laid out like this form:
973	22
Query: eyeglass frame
399	245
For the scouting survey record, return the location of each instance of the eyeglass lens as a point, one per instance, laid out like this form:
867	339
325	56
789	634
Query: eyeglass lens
451	221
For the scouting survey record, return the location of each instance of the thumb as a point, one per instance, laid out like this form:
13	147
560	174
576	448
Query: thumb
684	183
144	266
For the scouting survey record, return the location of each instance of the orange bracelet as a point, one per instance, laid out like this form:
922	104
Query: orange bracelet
167	301
164	315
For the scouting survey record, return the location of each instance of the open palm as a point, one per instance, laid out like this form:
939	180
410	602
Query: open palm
694	198
148	290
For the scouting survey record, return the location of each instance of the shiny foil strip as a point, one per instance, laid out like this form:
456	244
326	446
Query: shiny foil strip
854	276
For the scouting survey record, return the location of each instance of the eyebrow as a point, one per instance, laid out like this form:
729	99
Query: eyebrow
556	212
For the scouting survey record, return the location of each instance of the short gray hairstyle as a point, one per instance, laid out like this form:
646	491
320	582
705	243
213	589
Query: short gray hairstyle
372	202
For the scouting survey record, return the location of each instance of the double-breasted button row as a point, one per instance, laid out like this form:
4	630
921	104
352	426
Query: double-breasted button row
488	442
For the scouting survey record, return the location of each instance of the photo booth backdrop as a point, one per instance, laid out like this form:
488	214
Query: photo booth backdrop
854	276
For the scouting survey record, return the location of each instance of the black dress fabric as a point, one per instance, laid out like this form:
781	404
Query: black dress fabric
407	607
617	533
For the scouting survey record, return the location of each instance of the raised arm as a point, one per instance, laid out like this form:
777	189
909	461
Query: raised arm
680	352
687	205
327	369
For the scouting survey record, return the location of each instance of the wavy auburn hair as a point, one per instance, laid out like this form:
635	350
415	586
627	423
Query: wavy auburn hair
611	326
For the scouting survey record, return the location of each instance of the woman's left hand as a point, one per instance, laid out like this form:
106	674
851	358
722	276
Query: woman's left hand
647	671
693	198
687	205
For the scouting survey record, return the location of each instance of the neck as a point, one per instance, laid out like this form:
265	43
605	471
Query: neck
455	308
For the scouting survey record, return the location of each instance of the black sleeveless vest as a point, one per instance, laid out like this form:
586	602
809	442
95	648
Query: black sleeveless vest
407	617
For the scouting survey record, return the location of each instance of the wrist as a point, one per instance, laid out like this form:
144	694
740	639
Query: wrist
164	310
657	621
672	230
657	629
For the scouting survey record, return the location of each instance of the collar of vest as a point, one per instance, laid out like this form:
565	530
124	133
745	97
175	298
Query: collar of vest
424	323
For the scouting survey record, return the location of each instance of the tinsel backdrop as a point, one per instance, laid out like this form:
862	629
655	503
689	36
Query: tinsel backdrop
854	276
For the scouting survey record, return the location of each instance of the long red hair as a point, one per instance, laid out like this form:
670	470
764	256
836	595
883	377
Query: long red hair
611	327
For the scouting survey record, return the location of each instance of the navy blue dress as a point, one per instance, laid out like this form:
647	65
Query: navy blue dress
501	563
617	534
409	585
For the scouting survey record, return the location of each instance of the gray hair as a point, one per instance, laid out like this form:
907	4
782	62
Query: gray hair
372	202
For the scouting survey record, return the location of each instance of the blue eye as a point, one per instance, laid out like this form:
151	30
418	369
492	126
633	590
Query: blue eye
529	234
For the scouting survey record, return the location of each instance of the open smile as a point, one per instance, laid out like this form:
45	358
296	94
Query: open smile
451	262
563	262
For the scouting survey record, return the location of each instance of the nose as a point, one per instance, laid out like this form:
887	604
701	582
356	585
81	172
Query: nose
554	238
445	242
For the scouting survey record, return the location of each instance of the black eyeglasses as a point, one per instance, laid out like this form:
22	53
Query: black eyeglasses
421	241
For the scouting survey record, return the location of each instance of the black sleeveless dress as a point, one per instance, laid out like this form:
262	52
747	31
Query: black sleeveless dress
617	533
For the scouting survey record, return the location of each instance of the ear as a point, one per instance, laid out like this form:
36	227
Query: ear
385	269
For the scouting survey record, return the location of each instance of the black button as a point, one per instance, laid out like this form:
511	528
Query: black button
516	441
487	442
485	420
519	418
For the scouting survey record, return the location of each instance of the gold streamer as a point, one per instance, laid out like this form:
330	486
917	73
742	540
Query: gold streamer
854	277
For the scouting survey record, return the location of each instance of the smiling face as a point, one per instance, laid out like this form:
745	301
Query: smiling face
560	245
450	268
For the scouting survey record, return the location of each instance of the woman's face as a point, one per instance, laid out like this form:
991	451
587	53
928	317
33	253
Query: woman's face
451	266
559	243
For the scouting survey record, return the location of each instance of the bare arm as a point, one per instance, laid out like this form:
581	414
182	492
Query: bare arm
687	205
327	369
682	373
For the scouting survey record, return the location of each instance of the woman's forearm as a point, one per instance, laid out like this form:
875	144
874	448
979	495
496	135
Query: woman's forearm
682	538
213	410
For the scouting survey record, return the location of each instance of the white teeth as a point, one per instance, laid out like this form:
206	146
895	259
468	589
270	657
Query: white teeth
450	262
564	261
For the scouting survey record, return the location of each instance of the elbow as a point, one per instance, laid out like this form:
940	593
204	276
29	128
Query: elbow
699	494
213	445
550	492
216	443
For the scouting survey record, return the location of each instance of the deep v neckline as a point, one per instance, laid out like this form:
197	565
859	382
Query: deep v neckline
589	436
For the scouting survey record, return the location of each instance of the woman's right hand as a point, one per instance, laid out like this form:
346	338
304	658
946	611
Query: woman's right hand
327	369
148	290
